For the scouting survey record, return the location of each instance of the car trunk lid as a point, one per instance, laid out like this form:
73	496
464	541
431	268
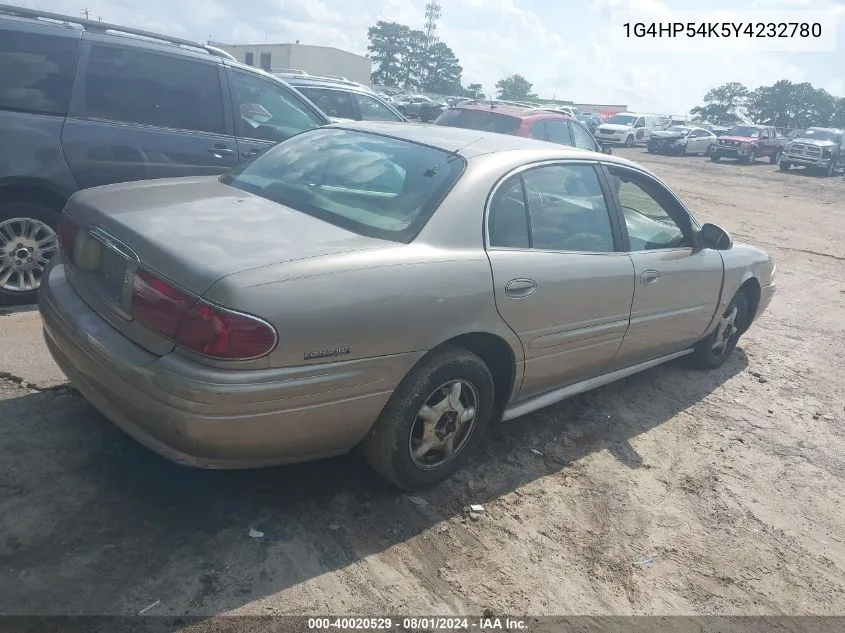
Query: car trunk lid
190	232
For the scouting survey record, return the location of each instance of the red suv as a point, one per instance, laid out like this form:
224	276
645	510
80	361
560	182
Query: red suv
544	124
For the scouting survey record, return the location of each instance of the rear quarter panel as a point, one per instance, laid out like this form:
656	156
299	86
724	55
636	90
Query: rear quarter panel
373	304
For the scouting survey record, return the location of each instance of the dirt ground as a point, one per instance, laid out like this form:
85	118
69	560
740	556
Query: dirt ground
671	492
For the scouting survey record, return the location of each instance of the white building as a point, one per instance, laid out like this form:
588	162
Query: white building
315	60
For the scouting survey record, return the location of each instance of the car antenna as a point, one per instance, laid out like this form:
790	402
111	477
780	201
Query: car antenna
432	171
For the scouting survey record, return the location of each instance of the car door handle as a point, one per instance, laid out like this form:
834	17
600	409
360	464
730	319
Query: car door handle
649	277
251	152
520	288
221	151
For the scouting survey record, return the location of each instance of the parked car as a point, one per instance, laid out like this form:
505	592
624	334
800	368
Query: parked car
628	128
746	143
345	101
539	123
421	107
681	139
817	148
86	103
590	121
375	284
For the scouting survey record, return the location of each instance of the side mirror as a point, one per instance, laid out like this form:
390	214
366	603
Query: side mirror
715	237
606	149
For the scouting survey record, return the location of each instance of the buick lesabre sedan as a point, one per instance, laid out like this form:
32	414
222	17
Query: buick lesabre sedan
388	286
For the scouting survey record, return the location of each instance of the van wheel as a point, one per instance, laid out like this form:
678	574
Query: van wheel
629	142
433	421
28	242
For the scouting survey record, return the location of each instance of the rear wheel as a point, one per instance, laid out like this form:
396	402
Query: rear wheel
629	142
28	242
433	421
713	351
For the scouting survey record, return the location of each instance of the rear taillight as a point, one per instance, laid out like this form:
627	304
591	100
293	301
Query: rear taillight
196	325
68	230
158	305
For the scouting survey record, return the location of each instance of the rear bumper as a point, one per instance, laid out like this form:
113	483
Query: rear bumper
207	417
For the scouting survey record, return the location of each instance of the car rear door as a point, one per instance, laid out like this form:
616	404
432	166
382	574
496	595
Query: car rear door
561	281
678	284
141	112
266	111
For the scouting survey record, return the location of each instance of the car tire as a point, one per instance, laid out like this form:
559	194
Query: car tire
752	157
25	226
831	170
709	151
774	159
629	142
784	165
713	350
389	444
715	157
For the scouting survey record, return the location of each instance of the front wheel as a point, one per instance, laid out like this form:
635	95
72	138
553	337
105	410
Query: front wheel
784	165
629	142
751	158
433	421
709	151
712	351
774	159
28	242
714	157
831	170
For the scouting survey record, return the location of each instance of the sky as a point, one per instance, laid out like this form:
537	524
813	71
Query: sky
563	47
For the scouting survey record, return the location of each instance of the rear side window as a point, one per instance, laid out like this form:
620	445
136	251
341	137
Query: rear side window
482	120
333	103
134	86
36	71
557	131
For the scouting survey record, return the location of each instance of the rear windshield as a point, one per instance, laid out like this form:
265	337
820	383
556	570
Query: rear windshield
371	184
482	120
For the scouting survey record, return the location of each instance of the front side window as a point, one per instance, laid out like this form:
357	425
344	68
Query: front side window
333	103
134	86
538	131
36	71
373	110
268	111
582	139
373	185
653	217
567	208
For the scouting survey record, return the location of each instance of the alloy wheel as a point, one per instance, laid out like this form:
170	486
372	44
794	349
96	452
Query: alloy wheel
725	331
26	247
443	424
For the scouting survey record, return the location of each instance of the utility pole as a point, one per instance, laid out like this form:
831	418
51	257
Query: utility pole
86	13
433	11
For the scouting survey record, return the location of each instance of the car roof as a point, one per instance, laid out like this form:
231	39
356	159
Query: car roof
474	143
304	81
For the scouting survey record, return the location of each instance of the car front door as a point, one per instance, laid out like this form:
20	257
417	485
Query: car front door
561	282
138	114
582	139
266	112
678	284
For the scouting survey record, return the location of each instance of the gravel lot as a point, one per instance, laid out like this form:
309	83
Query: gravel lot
671	492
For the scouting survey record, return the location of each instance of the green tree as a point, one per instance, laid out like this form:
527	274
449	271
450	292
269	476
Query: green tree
442	70
838	118
413	62
725	103
389	49
474	91
514	87
786	104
